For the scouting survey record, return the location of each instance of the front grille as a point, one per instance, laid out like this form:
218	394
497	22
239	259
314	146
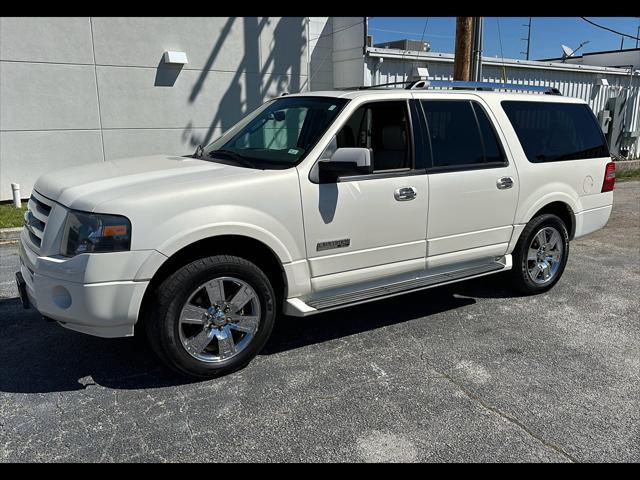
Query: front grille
40	206
35	240
35	219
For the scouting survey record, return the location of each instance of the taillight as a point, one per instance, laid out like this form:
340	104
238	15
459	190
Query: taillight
609	177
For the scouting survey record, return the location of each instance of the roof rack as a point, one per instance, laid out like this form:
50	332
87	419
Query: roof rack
461	85
368	87
454	84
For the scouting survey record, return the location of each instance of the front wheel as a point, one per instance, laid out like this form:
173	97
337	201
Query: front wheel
541	254
212	316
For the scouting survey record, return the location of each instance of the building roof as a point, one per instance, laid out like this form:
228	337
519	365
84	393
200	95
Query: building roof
602	52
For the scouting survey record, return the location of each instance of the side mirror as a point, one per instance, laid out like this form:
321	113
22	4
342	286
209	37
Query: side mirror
345	161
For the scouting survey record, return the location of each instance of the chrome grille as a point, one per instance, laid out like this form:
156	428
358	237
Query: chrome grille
35	220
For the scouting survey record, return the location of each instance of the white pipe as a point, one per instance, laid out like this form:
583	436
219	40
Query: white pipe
15	187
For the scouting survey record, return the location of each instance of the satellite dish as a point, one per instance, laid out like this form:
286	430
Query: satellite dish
566	51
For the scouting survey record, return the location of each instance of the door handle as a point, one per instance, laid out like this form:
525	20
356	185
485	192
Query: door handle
405	193
504	183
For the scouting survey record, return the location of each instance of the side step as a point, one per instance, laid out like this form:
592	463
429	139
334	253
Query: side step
320	304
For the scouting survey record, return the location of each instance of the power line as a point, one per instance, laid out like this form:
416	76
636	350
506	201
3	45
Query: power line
413	34
339	30
609	29
421	39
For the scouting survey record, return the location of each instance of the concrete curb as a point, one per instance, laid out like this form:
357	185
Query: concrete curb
10	234
626	165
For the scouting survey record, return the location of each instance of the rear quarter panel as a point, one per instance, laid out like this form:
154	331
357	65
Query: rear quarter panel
577	183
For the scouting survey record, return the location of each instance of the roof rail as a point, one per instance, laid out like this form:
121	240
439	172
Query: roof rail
454	84
460	85
368	87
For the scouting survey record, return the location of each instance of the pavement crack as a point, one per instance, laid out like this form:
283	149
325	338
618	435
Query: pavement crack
106	448
509	418
58	406
187	421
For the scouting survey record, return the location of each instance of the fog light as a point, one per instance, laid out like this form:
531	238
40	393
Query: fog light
61	297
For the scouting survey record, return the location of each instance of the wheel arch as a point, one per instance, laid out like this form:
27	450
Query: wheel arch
562	210
243	246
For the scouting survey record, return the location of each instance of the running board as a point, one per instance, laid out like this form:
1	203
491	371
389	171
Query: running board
298	307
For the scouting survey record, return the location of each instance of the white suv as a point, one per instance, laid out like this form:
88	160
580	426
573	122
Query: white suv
313	202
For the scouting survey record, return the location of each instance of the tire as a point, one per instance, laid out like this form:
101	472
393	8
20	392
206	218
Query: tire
537	273
197	306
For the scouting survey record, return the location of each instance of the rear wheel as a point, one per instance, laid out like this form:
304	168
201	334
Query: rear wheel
541	254
212	316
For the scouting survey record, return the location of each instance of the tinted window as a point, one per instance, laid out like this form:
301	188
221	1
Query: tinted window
550	132
460	134
492	149
384	128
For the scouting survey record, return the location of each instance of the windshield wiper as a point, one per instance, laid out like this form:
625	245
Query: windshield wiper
235	156
199	151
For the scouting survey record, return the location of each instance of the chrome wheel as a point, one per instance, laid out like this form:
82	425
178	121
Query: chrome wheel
544	255
219	319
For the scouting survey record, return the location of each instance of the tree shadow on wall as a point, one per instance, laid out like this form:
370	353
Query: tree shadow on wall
256	79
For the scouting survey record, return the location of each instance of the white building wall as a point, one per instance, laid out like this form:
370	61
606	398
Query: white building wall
348	51
320	53
81	90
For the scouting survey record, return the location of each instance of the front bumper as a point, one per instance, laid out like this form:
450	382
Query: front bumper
98	294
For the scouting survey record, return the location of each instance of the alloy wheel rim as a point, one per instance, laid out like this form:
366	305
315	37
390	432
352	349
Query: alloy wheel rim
219	319
544	255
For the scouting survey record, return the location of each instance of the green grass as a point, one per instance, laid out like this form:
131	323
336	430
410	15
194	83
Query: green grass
628	175
11	216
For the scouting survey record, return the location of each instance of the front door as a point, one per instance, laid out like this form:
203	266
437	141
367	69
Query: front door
361	228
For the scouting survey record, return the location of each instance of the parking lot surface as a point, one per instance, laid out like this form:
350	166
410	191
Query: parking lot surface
468	372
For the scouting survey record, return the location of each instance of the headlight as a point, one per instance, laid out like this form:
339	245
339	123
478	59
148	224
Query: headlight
93	232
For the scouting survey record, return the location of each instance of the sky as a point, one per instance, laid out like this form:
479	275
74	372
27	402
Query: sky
547	34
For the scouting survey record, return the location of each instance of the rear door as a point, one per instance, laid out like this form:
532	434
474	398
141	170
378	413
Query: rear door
473	186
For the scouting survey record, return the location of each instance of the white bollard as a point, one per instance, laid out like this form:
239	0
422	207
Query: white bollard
15	187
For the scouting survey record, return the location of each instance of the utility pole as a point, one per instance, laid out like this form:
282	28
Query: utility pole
462	57
528	39
476	65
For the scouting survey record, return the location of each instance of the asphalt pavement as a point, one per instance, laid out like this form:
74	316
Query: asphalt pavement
469	372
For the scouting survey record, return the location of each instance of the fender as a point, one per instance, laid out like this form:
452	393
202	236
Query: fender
261	228
230	228
543	199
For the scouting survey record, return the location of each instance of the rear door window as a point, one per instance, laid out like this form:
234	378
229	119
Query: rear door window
461	135
551	132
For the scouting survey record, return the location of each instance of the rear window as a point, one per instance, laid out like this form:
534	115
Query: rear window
551	132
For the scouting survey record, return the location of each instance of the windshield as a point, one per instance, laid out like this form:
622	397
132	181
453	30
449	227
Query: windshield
278	134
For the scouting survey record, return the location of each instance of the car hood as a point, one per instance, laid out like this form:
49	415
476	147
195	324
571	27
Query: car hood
86	187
